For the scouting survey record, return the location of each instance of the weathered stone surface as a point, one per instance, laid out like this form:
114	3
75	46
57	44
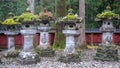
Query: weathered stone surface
44	40
10	54
28	39
44	36
11	34
70	40
107	29
70	54
28	58
0	60
107	53
11	46
70	58
48	52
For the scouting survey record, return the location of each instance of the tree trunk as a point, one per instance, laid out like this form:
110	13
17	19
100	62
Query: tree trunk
60	11
31	4
60	8
70	6
81	38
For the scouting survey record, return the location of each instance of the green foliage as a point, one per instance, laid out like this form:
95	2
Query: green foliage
74	4
108	14
59	42
6	7
28	17
10	22
93	7
60	7
59	46
69	17
21	6
49	4
14	6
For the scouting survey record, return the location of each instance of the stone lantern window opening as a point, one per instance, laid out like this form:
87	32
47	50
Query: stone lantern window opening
108	23
45	22
103	22
27	26
71	26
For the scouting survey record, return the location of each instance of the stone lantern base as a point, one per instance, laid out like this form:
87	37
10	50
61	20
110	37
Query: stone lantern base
44	49
11	34
48	52
70	52
28	57
107	53
12	54
67	58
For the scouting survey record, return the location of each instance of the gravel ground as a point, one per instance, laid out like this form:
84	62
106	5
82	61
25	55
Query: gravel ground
51	62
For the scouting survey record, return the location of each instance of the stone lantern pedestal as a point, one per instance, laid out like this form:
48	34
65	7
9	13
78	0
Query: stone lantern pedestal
28	39
11	46
10	34
44	48
70	41
107	51
44	37
11	30
28	55
70	53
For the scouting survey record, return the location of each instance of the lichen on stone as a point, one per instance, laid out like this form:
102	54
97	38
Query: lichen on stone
107	14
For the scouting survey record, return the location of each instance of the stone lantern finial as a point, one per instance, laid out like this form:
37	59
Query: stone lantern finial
108	8
10	14
28	10
70	11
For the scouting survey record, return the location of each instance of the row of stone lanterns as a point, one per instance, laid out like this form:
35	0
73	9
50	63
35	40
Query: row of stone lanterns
28	30
71	54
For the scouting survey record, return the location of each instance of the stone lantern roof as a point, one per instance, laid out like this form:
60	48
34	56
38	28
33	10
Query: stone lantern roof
70	20
10	25
10	20
46	17
71	17
28	17
107	14
45	14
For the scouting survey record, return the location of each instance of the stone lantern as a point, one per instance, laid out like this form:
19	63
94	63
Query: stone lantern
71	30
28	55
11	28
107	29
44	48
107	51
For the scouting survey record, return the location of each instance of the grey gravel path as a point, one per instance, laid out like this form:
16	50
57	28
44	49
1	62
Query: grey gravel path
51	62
